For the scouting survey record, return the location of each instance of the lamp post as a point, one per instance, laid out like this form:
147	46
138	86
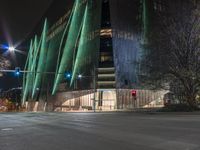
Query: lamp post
11	48
94	87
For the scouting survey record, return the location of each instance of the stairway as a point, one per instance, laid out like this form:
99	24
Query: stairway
106	78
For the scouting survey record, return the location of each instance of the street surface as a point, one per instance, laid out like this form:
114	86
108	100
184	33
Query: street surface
100	131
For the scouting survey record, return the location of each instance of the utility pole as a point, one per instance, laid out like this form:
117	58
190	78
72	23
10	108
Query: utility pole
94	84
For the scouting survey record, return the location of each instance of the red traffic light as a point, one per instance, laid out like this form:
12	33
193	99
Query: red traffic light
134	93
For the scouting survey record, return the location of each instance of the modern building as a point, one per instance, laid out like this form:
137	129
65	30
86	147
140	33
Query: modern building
88	56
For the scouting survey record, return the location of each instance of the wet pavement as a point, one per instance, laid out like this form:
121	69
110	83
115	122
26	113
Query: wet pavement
99	131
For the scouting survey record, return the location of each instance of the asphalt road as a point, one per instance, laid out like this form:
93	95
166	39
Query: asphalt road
101	131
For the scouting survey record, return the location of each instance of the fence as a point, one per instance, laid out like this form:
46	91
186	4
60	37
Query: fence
102	100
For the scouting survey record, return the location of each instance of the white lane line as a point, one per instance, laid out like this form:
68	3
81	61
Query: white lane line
7	129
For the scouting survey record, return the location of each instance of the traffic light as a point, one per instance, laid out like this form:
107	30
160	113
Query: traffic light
68	75
17	71
134	94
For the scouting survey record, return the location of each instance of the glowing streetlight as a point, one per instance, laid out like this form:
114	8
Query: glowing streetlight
11	48
80	76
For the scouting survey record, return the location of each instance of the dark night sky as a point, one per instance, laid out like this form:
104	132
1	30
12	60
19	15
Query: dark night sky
18	18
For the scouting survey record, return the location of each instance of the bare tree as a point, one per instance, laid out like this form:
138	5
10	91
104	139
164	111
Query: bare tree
4	64
174	52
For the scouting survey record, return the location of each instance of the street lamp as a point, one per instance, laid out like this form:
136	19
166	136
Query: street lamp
80	76
7	47
11	48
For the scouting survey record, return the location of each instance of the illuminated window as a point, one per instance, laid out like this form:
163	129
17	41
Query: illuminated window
105	57
106	32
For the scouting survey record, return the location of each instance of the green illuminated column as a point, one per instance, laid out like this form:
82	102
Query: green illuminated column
28	79
147	10
36	49
82	47
27	75
146	20
41	61
62	39
67	56
89	39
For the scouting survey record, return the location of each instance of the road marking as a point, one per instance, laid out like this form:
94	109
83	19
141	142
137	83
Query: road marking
7	129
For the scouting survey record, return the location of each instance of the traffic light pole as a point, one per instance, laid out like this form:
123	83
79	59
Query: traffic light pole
24	71
94	82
